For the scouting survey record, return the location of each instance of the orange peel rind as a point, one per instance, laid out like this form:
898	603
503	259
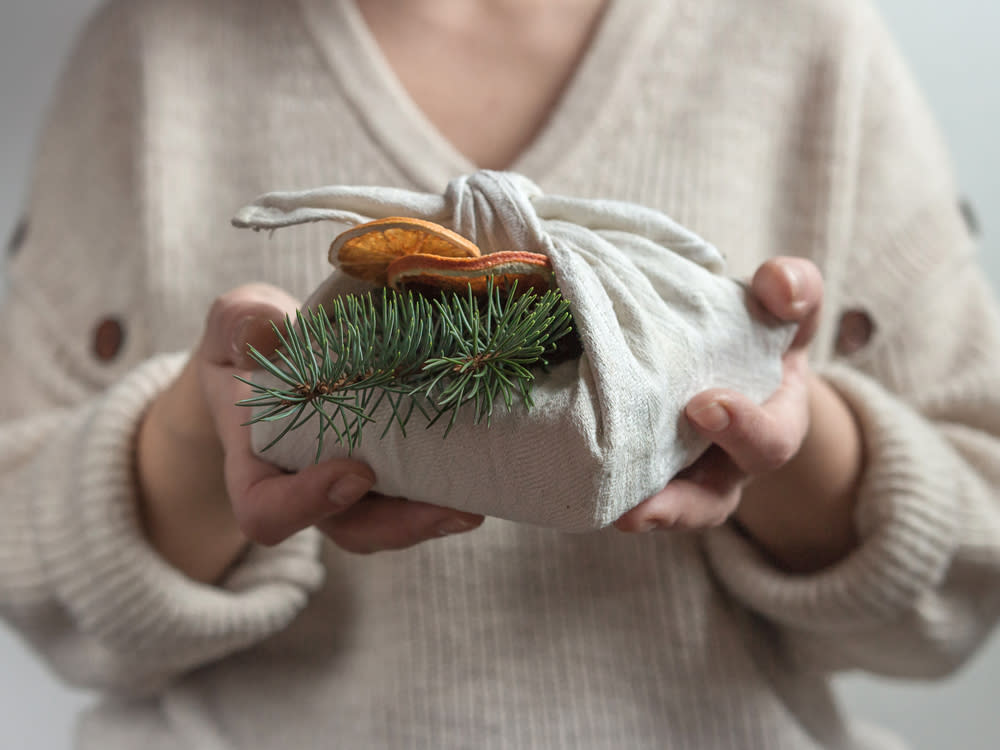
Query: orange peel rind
422	271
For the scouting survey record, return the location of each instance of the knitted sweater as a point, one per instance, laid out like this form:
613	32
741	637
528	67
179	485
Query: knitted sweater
767	126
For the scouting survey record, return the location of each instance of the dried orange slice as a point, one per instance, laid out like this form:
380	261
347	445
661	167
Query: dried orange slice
424	272
366	250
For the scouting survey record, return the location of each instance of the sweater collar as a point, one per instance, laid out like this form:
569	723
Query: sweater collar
624	34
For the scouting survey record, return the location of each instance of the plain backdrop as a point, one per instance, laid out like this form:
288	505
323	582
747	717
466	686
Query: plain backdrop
952	49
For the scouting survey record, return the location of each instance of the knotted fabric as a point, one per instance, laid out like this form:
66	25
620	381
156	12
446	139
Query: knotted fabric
658	320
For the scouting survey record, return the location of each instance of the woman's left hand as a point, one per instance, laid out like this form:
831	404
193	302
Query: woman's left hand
759	445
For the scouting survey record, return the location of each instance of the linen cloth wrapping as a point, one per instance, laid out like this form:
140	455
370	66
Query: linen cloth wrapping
658	322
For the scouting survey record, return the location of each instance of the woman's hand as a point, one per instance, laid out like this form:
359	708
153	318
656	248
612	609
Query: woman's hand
204	493
788	469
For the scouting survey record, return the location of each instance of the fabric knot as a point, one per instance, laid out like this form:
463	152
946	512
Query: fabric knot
495	211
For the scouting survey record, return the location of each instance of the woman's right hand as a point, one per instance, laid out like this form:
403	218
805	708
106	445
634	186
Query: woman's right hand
205	495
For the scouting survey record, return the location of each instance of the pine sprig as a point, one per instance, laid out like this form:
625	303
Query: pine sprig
414	354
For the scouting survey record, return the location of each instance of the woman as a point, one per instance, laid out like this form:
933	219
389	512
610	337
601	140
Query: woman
148	554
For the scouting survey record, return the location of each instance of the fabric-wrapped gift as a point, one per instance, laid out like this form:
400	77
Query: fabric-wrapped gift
658	321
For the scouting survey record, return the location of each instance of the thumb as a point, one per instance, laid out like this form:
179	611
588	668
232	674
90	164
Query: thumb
242	318
791	289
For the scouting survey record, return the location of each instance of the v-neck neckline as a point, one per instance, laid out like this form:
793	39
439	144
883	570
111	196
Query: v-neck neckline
623	33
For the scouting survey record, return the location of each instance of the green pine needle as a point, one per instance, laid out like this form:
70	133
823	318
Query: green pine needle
413	354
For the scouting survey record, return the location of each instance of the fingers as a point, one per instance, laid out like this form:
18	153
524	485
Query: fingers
384	523
271	505
747	439
791	289
335	497
759	439
762	438
702	496
243	316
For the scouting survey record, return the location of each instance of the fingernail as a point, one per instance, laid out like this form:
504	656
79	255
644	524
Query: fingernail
647	526
455	526
348	490
713	418
794	281
241	335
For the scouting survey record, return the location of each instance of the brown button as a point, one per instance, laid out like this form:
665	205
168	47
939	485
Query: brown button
970	217
109	335
17	237
854	332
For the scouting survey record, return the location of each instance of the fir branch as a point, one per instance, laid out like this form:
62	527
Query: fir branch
410	353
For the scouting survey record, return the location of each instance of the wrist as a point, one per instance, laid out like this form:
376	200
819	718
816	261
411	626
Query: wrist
182	495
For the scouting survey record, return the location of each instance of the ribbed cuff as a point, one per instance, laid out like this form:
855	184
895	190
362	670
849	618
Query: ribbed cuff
905	518
115	585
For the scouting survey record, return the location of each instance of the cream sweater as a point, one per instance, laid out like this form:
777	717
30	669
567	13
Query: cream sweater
767	126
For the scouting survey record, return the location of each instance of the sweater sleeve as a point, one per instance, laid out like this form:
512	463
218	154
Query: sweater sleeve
77	577
922	590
